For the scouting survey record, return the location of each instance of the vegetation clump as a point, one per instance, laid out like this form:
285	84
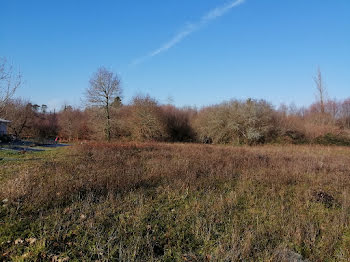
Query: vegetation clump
237	122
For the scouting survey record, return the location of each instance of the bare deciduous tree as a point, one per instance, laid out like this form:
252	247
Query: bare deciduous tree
104	88
10	80
321	91
22	116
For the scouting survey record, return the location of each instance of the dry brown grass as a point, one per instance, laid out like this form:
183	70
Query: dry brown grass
172	202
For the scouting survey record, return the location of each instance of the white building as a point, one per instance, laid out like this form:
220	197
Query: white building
3	126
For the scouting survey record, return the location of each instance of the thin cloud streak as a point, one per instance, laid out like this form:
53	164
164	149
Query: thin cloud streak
191	28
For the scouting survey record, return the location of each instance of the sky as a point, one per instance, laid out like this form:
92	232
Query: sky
189	52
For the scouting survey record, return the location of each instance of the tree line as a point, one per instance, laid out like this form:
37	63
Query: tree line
250	121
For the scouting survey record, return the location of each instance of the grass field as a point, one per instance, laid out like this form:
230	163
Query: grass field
175	202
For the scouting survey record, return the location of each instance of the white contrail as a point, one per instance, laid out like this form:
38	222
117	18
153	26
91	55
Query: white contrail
190	28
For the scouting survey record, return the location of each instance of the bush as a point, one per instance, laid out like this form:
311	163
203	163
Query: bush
73	124
147	122
178	123
293	137
332	139
237	122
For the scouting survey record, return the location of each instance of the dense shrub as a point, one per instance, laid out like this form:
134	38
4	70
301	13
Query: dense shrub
45	126
73	124
237	122
332	139
147	121
178	123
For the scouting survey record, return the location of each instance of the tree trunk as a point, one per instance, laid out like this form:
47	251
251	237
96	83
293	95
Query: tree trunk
108	123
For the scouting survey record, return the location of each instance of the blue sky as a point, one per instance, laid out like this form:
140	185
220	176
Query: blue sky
210	51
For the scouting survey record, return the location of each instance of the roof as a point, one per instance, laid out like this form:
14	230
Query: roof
4	121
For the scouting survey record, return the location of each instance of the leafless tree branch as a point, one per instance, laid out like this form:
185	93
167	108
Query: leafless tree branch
10	81
104	88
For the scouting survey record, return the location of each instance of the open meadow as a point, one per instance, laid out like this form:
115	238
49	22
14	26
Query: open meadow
185	131
175	202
